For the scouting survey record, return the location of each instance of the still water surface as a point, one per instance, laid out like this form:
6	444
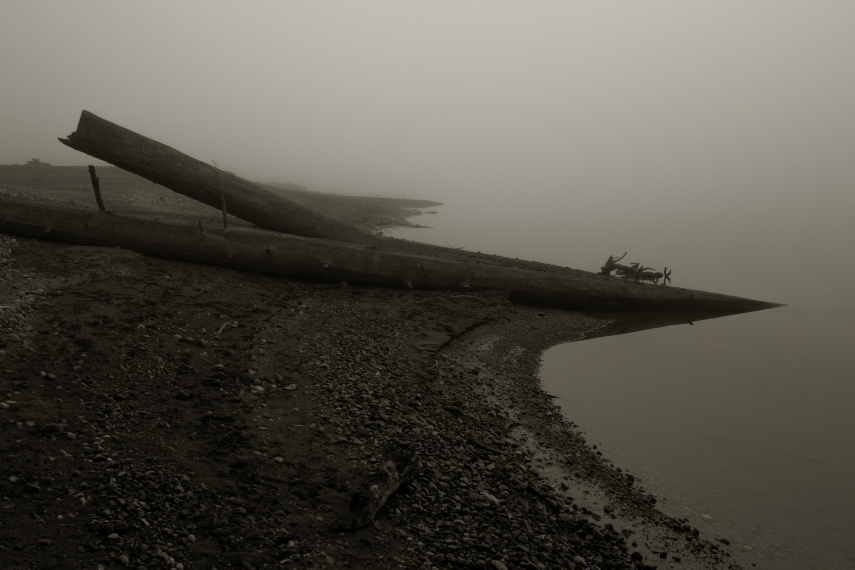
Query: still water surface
744	424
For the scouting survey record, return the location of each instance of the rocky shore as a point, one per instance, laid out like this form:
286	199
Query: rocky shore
160	414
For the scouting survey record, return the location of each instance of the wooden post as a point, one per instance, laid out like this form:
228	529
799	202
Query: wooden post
198	180
96	184
225	214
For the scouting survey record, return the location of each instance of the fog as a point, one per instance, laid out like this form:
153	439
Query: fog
716	138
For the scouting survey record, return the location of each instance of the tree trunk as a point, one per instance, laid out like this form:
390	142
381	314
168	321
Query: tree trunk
207	184
270	252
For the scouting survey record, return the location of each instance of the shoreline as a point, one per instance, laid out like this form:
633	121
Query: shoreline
202	417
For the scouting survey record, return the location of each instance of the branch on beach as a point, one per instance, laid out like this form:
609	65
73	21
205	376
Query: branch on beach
398	468
477	443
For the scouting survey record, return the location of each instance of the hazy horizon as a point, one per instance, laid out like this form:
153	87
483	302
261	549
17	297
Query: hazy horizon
712	137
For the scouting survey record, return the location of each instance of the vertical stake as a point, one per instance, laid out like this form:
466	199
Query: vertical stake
97	186
225	213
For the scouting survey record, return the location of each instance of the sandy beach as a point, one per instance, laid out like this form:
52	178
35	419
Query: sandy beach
158	413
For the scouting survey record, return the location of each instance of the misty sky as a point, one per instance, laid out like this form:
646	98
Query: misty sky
713	135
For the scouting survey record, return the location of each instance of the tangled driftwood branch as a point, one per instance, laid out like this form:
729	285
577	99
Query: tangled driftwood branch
634	271
612	265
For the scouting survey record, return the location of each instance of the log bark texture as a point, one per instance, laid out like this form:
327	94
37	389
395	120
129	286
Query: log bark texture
200	181
270	252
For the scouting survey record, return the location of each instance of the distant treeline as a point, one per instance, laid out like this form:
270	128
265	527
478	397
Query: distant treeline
287	186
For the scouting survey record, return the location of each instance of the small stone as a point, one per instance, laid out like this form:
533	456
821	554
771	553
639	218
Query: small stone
579	560
498	565
113	536
182	395
279	459
124	559
44	542
490	498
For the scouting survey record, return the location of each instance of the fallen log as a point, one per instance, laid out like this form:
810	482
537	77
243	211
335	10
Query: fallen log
200	181
293	256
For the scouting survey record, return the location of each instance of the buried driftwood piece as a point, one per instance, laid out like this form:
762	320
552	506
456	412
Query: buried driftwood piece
96	185
292	256
198	180
397	469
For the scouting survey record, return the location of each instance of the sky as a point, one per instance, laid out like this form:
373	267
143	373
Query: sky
716	137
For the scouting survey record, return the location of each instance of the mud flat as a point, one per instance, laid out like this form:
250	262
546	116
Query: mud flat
157	412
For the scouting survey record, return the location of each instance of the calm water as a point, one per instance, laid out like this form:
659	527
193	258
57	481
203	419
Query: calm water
744	424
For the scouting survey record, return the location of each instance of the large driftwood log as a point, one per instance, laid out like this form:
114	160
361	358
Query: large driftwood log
397	468
207	184
270	252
